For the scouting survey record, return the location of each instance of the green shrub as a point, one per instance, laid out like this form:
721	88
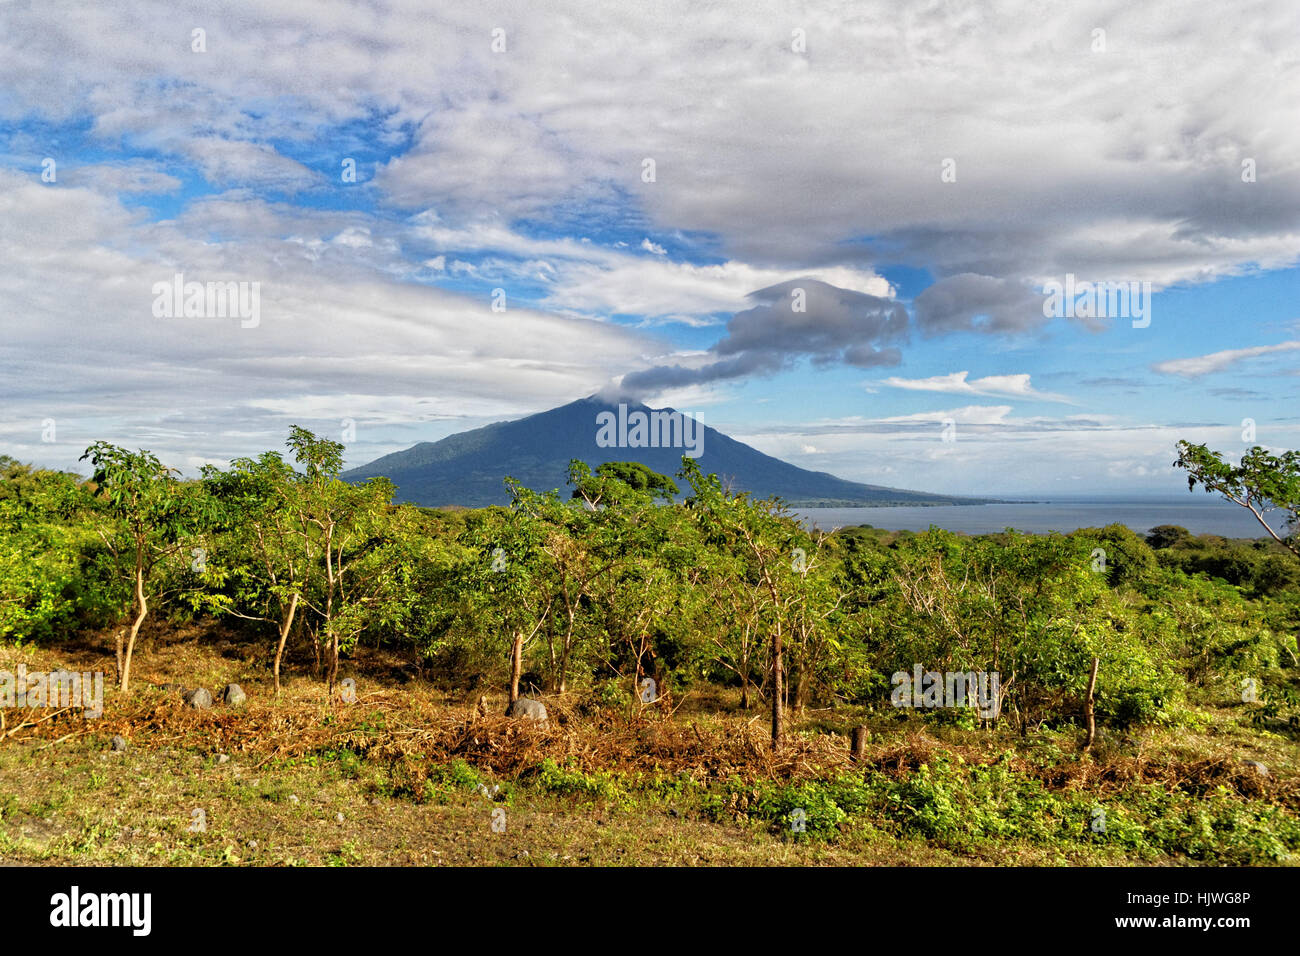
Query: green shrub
554	778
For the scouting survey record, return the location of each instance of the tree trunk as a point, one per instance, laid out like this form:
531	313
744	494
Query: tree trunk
554	658
1088	706
142	607
284	636
802	684
516	664
778	689
566	651
334	661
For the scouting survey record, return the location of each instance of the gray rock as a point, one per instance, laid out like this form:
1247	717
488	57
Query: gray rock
119	744
233	695
1258	767
528	709
199	698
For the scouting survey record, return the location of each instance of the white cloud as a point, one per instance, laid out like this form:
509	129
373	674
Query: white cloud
1217	361
770	166
226	162
136	176
1009	386
995	453
597	280
1141	145
336	339
965	415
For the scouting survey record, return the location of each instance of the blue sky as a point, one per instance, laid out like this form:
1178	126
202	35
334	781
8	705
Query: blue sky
917	174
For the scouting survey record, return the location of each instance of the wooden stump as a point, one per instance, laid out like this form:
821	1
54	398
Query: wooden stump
858	748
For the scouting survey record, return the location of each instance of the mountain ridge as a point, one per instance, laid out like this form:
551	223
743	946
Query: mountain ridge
468	468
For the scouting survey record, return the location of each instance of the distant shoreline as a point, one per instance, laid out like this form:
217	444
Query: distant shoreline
945	502
1198	514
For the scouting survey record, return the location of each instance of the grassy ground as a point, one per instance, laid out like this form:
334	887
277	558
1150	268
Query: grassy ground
394	780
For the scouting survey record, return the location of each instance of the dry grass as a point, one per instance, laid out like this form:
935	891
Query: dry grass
710	739
399	721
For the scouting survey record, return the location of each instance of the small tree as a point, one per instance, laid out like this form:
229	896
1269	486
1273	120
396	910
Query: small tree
816	599
271	557
1262	483
46	587
1167	536
763	533
344	529
619	482
625	565
506	586
146	514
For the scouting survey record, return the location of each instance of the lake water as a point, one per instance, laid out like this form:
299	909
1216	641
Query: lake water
1199	514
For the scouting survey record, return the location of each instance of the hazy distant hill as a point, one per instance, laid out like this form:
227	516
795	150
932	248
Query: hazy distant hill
467	469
